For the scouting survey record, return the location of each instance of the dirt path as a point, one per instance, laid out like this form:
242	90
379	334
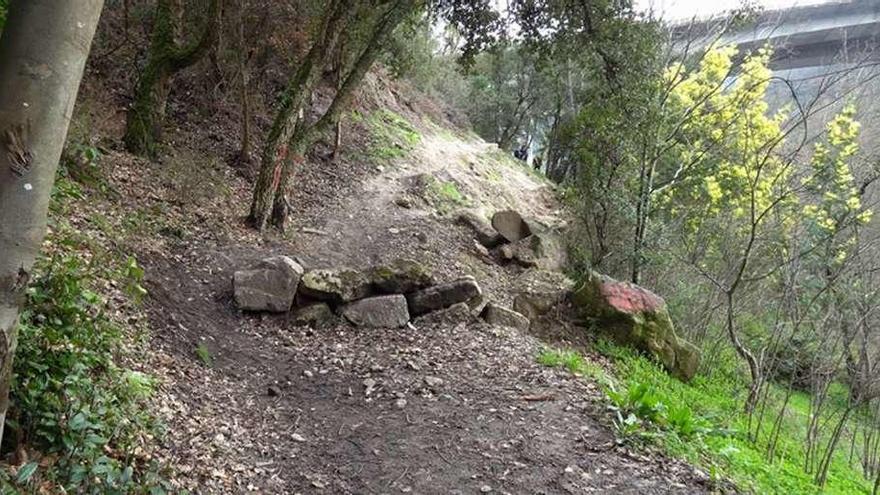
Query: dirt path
428	409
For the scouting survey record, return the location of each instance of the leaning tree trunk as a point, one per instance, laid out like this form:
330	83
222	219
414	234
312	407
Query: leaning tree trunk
276	152
143	129
306	135
43	51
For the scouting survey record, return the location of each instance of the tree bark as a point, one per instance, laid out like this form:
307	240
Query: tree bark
143	131
310	134
244	76
276	149
43	51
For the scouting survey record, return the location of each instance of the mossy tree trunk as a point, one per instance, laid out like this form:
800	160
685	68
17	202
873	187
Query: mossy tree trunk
146	117
280	156
43	51
276	150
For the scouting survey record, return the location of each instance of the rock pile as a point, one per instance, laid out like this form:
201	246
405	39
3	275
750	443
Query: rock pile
527	243
385	296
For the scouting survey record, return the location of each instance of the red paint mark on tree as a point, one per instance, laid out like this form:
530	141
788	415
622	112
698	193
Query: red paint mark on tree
630	298
276	176
280	156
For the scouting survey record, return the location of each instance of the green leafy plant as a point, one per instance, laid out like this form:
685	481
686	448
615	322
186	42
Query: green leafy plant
70	400
572	361
391	135
703	422
204	355
133	274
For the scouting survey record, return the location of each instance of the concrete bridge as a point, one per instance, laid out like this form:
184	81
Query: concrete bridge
806	38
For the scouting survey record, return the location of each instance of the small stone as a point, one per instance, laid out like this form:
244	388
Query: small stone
457	313
274	391
485	489
400	403
335	285
400	276
308	374
369	386
433	381
298	438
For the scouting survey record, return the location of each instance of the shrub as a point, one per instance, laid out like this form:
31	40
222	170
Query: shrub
70	400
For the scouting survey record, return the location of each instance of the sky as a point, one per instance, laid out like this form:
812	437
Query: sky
686	9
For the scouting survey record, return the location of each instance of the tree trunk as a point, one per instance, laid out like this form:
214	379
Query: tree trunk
340	71
143	130
643	205
244	76
275	150
311	133
828	455
746	355
43	51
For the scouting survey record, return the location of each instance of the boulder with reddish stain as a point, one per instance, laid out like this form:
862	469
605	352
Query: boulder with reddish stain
635	316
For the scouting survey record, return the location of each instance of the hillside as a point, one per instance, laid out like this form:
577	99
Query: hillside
432	247
256	403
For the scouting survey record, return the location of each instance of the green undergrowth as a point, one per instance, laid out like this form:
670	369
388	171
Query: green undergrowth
703	422
444	195
79	420
391	135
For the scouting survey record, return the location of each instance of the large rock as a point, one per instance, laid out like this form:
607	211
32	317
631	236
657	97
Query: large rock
378	312
313	315
501	316
510	225
537	292
269	285
484	233
443	296
457	313
401	276
635	316
544	251
335	286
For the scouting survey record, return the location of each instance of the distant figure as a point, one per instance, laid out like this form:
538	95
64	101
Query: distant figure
537	163
521	153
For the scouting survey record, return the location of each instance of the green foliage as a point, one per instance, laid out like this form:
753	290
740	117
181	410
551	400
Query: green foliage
704	423
572	361
391	136
204	355
443	195
835	202
448	191
4	7
70	399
